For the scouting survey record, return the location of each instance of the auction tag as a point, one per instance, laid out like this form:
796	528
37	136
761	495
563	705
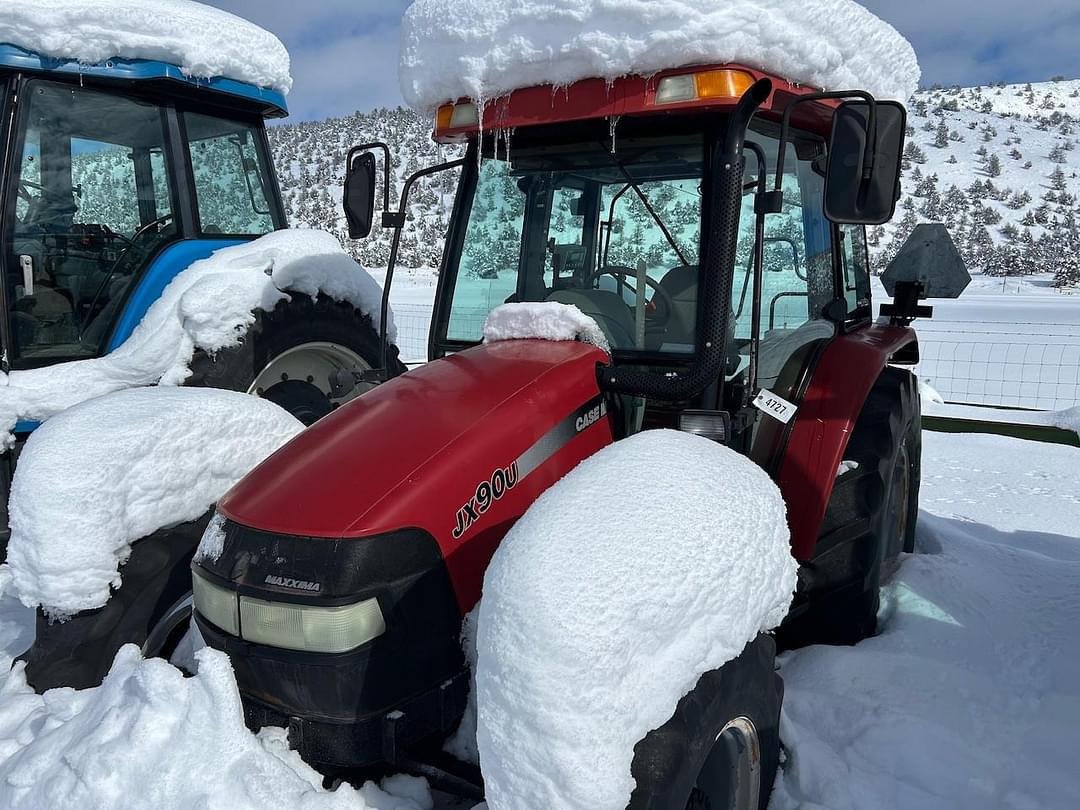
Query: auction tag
775	406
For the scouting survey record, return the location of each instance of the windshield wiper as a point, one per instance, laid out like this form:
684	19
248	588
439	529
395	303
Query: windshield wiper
648	207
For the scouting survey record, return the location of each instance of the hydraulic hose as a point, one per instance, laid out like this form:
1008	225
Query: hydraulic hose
718	267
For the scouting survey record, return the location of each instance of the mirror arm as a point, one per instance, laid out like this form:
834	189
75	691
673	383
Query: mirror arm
785	134
398	223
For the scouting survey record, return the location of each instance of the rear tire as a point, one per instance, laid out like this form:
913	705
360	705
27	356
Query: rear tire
883	494
289	353
721	748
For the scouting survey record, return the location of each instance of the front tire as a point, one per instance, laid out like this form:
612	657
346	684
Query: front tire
721	748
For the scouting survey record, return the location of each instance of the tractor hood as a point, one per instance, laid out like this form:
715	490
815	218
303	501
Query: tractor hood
439	448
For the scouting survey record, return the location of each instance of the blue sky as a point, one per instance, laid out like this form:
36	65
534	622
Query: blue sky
345	51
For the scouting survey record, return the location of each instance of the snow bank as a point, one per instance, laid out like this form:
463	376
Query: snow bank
482	49
149	737
970	696
654	561
548	320
204	42
209	306
109	471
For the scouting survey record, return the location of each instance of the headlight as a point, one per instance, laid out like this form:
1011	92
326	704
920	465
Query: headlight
309	627
216	604
312	628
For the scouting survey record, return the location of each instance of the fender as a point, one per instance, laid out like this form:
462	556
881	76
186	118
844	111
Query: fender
838	388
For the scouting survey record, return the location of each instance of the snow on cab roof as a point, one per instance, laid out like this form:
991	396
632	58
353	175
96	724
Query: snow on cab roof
483	49
203	42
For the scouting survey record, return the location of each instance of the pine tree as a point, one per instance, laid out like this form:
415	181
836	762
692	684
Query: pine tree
993	166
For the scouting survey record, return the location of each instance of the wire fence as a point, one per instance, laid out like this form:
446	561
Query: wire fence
1019	365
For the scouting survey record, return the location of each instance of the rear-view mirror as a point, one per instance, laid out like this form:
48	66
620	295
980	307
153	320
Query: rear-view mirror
358	198
862	185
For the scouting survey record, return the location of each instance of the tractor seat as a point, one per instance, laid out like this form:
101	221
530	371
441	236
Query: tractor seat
607	309
681	285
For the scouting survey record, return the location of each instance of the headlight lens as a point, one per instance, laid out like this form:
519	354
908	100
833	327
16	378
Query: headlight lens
218	605
313	628
309	627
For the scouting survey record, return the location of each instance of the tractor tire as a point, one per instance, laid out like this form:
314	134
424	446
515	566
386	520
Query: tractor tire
882	495
287	356
721	748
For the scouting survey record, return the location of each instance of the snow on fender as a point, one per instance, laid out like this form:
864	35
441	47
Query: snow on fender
654	561
101	475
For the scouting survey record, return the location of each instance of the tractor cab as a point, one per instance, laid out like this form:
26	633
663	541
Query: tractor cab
620	210
104	169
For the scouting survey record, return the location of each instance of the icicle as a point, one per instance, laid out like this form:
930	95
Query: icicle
480	140
613	121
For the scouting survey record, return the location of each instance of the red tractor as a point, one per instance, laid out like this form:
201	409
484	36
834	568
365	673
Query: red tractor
711	221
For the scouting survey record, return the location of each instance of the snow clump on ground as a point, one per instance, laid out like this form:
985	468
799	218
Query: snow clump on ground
547	320
483	49
208	306
204	42
654	561
101	475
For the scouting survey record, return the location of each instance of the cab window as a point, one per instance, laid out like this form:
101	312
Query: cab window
855	267
614	233
92	203
232	179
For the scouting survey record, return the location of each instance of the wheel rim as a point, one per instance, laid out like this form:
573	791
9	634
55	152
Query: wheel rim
900	493
314	364
730	779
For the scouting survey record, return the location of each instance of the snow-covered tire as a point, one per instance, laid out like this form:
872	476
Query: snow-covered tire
332	333
883	494
723	738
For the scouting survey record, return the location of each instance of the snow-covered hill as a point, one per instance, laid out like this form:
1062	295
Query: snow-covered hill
998	164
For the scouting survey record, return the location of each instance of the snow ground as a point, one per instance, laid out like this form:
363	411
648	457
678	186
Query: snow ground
969	697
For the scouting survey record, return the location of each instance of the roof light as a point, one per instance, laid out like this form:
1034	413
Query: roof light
705	84
455	116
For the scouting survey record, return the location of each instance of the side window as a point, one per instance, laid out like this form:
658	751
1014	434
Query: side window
565	244
488	271
856	280
232	181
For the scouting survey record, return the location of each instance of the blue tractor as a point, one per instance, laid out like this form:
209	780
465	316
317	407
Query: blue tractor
114	178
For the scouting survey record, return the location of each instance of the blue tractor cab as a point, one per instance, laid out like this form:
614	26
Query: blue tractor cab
115	177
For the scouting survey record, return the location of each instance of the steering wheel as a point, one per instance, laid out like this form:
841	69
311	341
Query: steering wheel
658	309
131	244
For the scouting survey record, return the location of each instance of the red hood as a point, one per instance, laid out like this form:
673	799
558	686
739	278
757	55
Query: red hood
412	451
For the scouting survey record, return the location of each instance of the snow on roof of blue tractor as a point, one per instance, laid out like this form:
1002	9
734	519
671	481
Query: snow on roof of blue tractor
188	47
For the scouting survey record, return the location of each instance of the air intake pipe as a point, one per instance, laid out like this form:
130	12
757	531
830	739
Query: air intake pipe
721	247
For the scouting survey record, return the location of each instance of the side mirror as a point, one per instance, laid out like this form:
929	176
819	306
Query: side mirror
862	182
358	198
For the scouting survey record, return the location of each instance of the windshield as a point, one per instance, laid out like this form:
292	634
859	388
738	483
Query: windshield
616	234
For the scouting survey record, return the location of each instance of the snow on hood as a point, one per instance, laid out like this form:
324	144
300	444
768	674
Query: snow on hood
204	42
209	306
482	49
101	475
149	737
548	320
654	561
